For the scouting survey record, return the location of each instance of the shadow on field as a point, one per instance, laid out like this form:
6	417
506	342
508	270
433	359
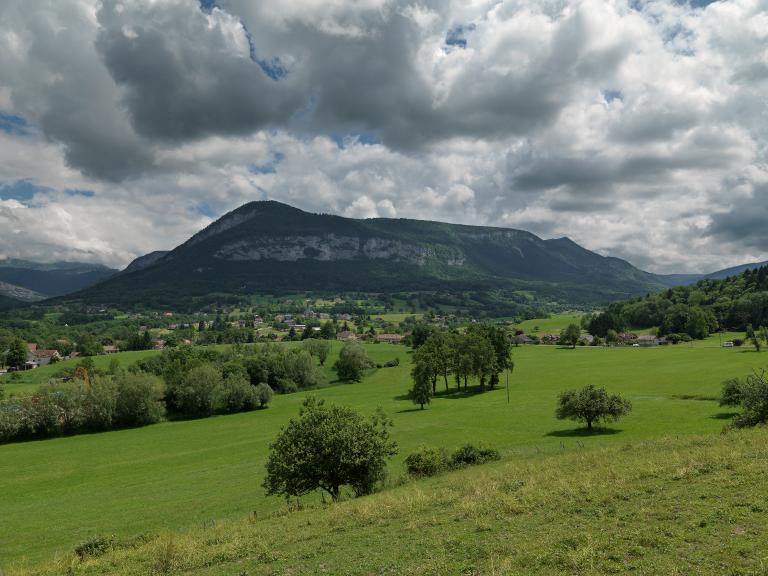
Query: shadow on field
582	432
454	394
724	415
406	410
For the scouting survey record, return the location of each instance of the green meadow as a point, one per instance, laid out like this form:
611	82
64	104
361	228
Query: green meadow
57	493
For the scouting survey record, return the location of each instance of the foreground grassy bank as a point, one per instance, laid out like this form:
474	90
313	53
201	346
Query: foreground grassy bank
686	506
57	493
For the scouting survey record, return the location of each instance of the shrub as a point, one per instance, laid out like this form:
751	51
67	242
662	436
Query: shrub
94	547
199	393
139	400
238	394
471	455
426	461
392	363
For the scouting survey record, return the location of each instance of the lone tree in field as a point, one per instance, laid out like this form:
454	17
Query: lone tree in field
328	447
318	348
591	405
570	335
263	394
351	363
421	393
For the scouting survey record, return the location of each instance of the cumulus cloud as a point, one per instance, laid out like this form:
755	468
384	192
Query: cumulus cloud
638	128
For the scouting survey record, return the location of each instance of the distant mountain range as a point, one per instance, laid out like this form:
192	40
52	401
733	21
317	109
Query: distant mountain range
32	281
269	247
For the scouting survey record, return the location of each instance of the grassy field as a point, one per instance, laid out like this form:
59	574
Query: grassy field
685	506
552	325
57	493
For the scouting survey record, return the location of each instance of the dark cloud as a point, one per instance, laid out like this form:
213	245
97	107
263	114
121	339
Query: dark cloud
745	223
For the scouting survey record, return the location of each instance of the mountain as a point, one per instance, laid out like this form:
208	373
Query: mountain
673	280
267	246
19	293
144	261
52	279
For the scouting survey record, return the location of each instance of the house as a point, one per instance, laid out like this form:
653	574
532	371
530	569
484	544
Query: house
586	339
647	340
345	317
523	339
550	338
345	335
167	314
158	344
628	338
389	338
37	357
110	349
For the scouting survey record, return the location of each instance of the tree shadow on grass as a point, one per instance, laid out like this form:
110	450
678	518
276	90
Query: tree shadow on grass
406	410
454	394
724	415
583	432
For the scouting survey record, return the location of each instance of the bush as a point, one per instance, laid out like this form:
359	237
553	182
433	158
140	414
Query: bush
94	547
199	393
471	455
139	400
237	394
426	461
392	363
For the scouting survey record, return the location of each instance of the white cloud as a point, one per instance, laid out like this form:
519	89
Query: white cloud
638	129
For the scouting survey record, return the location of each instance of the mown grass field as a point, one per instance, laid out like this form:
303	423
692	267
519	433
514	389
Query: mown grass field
177	475
674	506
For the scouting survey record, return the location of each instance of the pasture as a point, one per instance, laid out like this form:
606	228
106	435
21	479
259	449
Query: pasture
177	475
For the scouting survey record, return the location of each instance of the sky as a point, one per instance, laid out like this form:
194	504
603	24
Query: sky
638	128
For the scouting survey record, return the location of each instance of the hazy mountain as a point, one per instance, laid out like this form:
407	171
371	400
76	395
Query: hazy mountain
19	293
54	278
686	279
271	247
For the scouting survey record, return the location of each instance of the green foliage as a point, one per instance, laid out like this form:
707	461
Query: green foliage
752	395
237	394
326	448
570	335
198	394
426	461
17	354
471	455
139	400
352	362
263	394
318	348
753	337
421	393
95	547
591	405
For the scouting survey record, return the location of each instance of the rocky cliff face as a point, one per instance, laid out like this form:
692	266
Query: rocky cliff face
330	247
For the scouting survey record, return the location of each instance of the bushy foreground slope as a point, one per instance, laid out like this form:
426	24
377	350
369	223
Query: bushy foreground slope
693	506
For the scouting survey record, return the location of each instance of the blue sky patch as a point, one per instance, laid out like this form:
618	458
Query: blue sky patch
21	190
12	124
611	95
270	167
207	5
75	192
457	36
344	139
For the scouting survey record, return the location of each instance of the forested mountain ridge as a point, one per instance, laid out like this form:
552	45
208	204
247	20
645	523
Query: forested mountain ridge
697	309
52	279
271	247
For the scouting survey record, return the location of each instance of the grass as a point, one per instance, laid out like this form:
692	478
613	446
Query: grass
552	325
57	493
691	506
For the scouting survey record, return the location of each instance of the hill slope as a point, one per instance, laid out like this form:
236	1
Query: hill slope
268	246
694	506
52	279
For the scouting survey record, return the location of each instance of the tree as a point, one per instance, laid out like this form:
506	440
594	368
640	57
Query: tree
328	447
591	405
17	354
611	337
421	393
264	394
351	363
753	337
318	348
570	335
